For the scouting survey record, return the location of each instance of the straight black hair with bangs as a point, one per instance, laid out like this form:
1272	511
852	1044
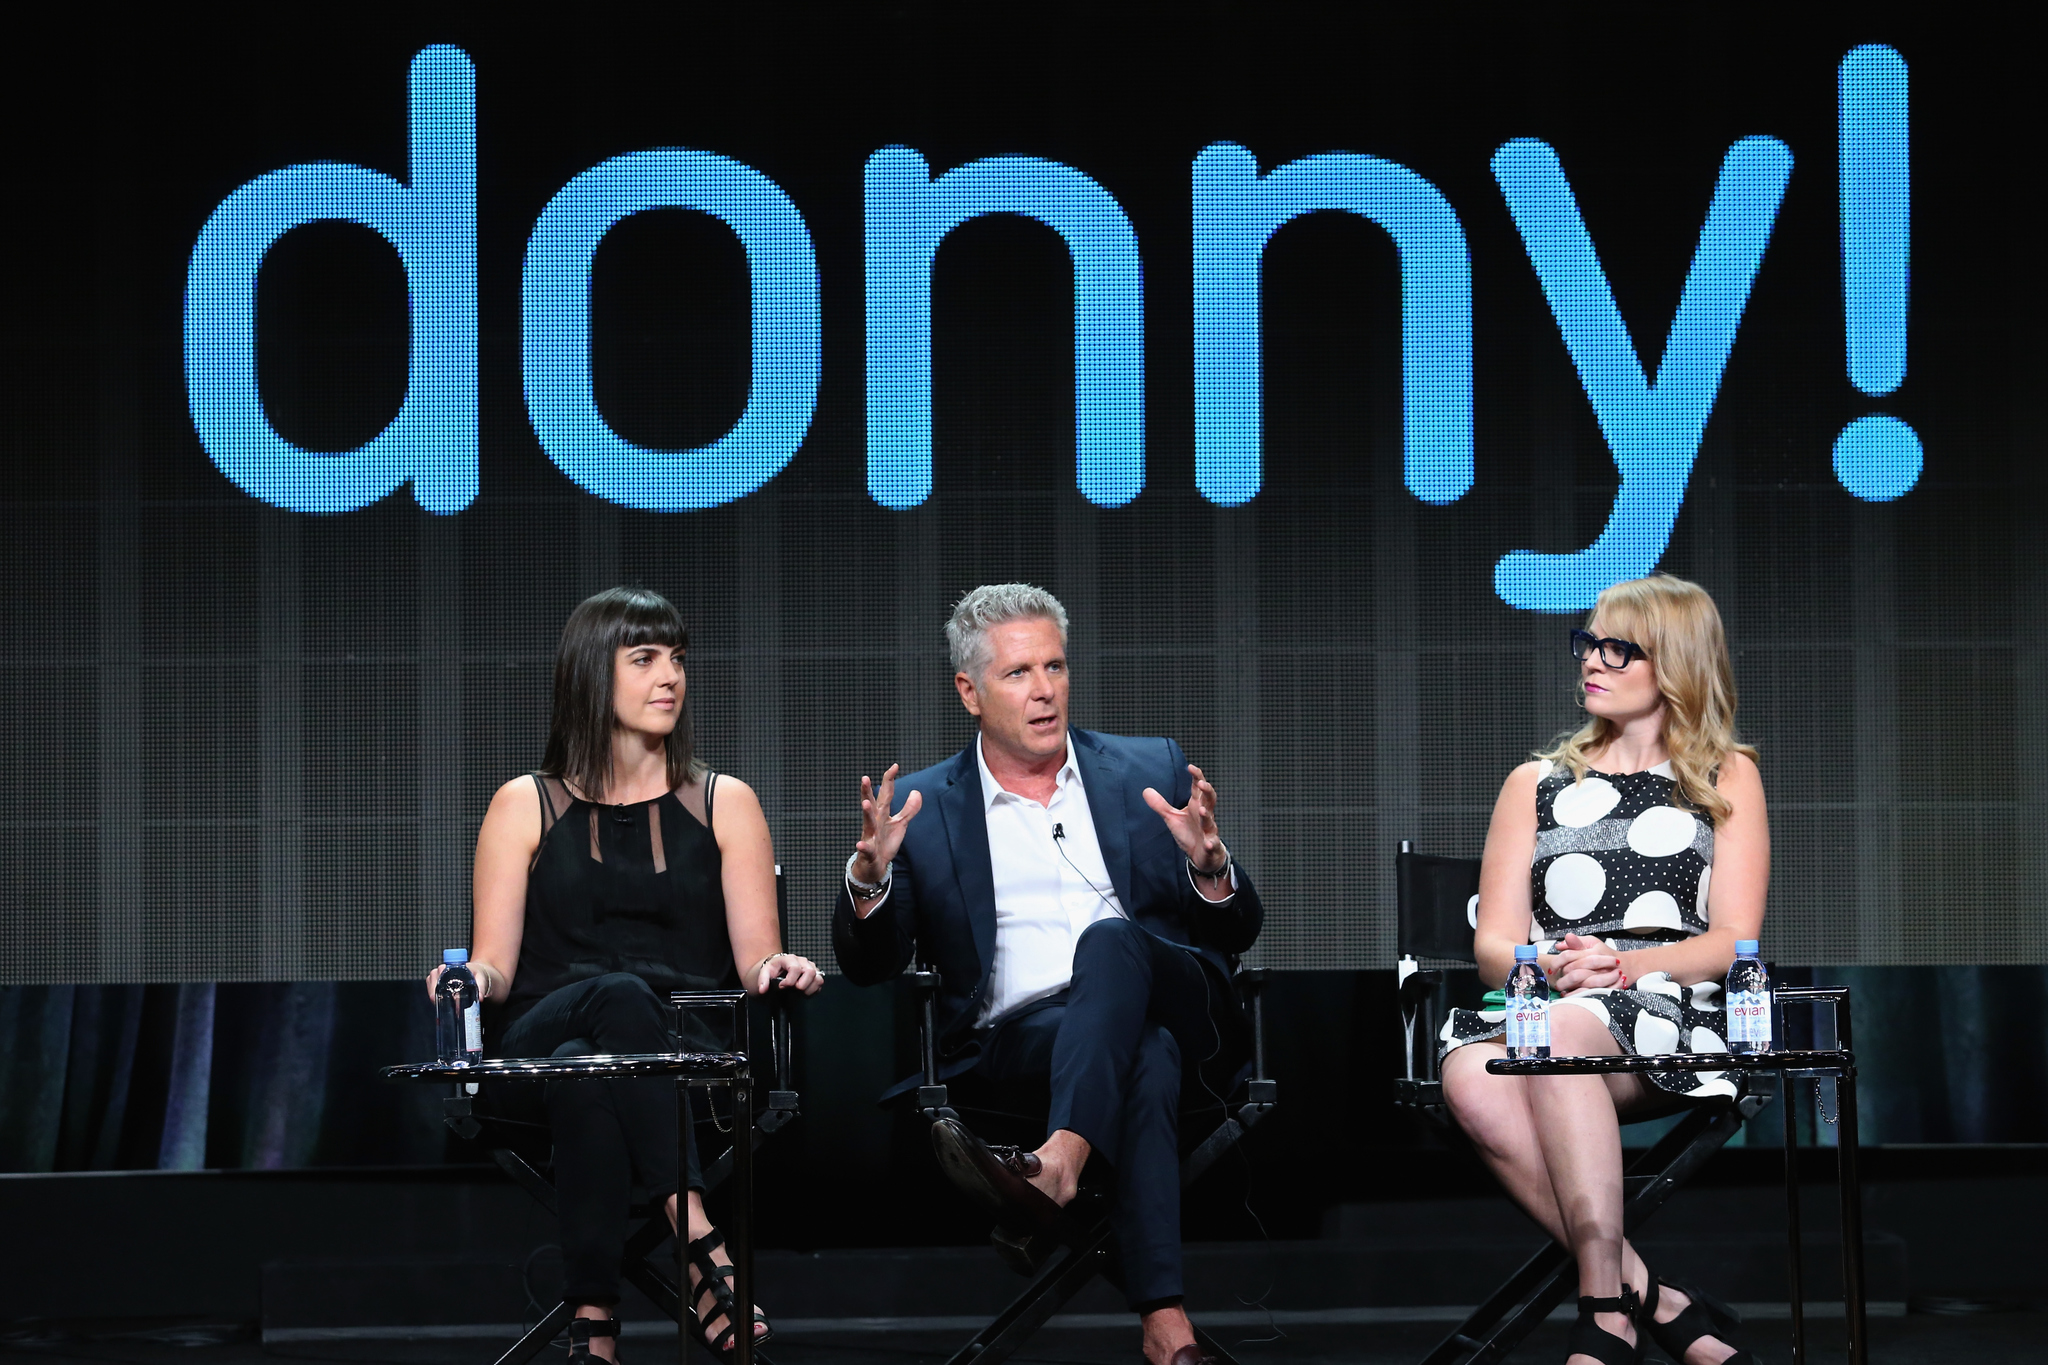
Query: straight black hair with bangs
580	727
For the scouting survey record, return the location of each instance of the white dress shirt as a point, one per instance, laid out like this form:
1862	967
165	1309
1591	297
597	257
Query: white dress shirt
1043	900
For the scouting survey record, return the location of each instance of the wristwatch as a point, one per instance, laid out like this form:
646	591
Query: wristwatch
866	891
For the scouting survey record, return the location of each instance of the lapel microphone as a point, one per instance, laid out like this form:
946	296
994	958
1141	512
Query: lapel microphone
1059	835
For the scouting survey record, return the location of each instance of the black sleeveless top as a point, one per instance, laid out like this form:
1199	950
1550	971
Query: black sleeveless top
623	889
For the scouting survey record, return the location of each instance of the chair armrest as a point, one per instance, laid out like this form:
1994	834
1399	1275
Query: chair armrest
1419	986
931	1096
782	1096
1835	998
1418	994
1261	1090
781	1038
1251	985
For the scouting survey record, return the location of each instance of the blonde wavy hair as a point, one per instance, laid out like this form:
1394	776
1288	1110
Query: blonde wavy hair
1679	628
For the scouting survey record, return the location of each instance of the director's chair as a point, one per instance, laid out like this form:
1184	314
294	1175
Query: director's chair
522	1151
1437	899
1085	1246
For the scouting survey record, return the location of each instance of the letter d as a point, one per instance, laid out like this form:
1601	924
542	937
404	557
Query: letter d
432	223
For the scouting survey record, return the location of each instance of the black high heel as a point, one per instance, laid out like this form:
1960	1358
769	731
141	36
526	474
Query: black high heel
716	1280
1589	1338
581	1330
1705	1316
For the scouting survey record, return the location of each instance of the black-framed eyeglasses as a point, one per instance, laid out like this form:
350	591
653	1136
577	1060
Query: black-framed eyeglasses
1614	653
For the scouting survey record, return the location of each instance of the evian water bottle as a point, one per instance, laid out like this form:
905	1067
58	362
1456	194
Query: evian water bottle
1528	1001
458	1012
1749	1001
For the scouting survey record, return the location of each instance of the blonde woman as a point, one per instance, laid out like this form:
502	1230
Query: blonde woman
1634	854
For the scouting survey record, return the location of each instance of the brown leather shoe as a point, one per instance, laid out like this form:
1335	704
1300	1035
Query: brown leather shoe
1001	1185
1191	1354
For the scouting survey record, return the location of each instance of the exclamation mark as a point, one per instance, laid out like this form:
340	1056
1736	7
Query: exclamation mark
1877	457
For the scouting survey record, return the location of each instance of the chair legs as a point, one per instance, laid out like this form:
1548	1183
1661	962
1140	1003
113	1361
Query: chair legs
1546	1279
540	1337
640	1271
1500	1324
1066	1274
637	1265
1070	1268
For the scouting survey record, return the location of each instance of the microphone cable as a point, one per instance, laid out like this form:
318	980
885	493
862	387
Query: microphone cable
1059	841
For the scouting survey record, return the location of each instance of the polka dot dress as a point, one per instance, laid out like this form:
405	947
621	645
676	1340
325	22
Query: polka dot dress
1616	859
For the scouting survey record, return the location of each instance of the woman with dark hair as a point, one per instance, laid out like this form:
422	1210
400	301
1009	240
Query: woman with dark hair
620	871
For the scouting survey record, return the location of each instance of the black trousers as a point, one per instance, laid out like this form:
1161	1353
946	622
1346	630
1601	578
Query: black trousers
609	1135
1146	1029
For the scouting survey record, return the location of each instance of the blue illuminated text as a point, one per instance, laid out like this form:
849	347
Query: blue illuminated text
1653	423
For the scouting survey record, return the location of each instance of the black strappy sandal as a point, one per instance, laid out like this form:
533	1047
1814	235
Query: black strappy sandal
1705	1316
716	1280
1589	1338
581	1330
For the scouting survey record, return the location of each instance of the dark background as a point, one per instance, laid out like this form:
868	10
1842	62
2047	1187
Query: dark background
250	746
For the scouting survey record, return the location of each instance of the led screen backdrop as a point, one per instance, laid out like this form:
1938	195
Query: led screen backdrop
1325	367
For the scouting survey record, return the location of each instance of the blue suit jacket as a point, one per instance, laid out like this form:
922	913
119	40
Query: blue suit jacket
942	902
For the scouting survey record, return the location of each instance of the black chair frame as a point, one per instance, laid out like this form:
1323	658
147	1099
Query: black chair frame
1514	1310
1837	1063
652	1275
1085	1247
638	1266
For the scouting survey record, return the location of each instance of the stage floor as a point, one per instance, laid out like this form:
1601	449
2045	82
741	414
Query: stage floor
2008	1338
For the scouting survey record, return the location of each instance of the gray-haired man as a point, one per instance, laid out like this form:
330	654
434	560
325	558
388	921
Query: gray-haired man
1078	935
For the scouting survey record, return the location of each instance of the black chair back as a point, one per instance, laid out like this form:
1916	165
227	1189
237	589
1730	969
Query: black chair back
1437	901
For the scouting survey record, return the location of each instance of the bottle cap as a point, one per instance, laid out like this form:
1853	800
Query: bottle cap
1525	952
1745	947
455	957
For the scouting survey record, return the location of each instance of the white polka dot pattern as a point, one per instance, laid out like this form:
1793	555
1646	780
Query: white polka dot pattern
1656	1036
1592	1005
1615	858
1652	910
1661	831
1660	983
1574	885
1643	844
1584	802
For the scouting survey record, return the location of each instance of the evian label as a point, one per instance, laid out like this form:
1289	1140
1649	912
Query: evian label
473	1028
1528	1020
1749	1018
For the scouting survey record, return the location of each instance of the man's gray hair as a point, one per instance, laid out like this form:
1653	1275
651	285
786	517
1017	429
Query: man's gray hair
996	604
